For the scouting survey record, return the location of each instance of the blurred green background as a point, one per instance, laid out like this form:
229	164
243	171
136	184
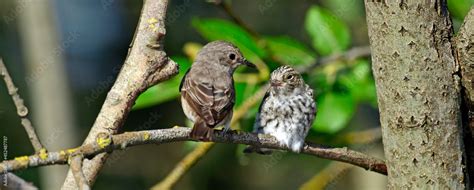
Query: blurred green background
65	55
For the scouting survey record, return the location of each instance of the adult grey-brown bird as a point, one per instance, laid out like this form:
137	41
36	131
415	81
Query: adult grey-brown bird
287	110
207	89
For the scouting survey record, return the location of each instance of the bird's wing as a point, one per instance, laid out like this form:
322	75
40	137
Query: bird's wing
257	128
182	80
211	102
313	105
313	109
224	100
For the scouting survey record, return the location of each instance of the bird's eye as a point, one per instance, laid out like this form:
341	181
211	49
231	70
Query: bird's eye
289	77
231	56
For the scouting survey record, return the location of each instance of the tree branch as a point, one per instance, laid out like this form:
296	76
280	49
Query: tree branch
191	158
145	65
76	168
324	177
360	137
228	10
351	54
183	166
21	109
105	143
335	169
201	150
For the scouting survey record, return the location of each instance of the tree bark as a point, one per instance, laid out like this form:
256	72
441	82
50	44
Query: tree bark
465	56
146	65
109	143
464	42
418	93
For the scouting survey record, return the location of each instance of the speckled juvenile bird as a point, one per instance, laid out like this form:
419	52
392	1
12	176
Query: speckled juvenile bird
207	89
287	110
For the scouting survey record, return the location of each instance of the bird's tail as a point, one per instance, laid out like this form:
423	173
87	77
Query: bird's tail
252	149
201	131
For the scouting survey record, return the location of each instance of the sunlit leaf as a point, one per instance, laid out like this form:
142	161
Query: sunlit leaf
289	51
243	91
360	82
191	49
329	34
164	91
319	81
217	29
459	8
334	112
348	11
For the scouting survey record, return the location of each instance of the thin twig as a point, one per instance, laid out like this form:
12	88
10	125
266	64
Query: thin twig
360	137
177	134
228	10
191	158
21	109
352	54
349	55
183	166
76	168
335	169
327	175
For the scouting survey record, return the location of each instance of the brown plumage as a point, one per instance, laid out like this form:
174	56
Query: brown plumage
207	89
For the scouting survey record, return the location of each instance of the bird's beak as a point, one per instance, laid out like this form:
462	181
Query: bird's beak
248	63
275	83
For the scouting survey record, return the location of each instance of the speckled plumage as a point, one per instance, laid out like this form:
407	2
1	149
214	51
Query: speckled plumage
287	110
207	89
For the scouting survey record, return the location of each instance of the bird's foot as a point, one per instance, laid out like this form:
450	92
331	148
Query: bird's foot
225	130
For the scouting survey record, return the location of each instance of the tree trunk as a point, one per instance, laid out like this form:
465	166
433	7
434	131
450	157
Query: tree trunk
418	93
464	42
465	56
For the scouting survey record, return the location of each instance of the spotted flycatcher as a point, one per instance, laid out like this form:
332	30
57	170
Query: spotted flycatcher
287	110
207	89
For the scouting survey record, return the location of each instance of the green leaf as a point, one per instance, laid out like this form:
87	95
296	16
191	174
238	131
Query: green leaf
329	34
459	8
318	80
334	112
242	92
348	11
360	83
164	91
289	51
217	29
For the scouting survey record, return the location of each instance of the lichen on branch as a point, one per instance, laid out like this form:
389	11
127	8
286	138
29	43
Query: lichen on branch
177	134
